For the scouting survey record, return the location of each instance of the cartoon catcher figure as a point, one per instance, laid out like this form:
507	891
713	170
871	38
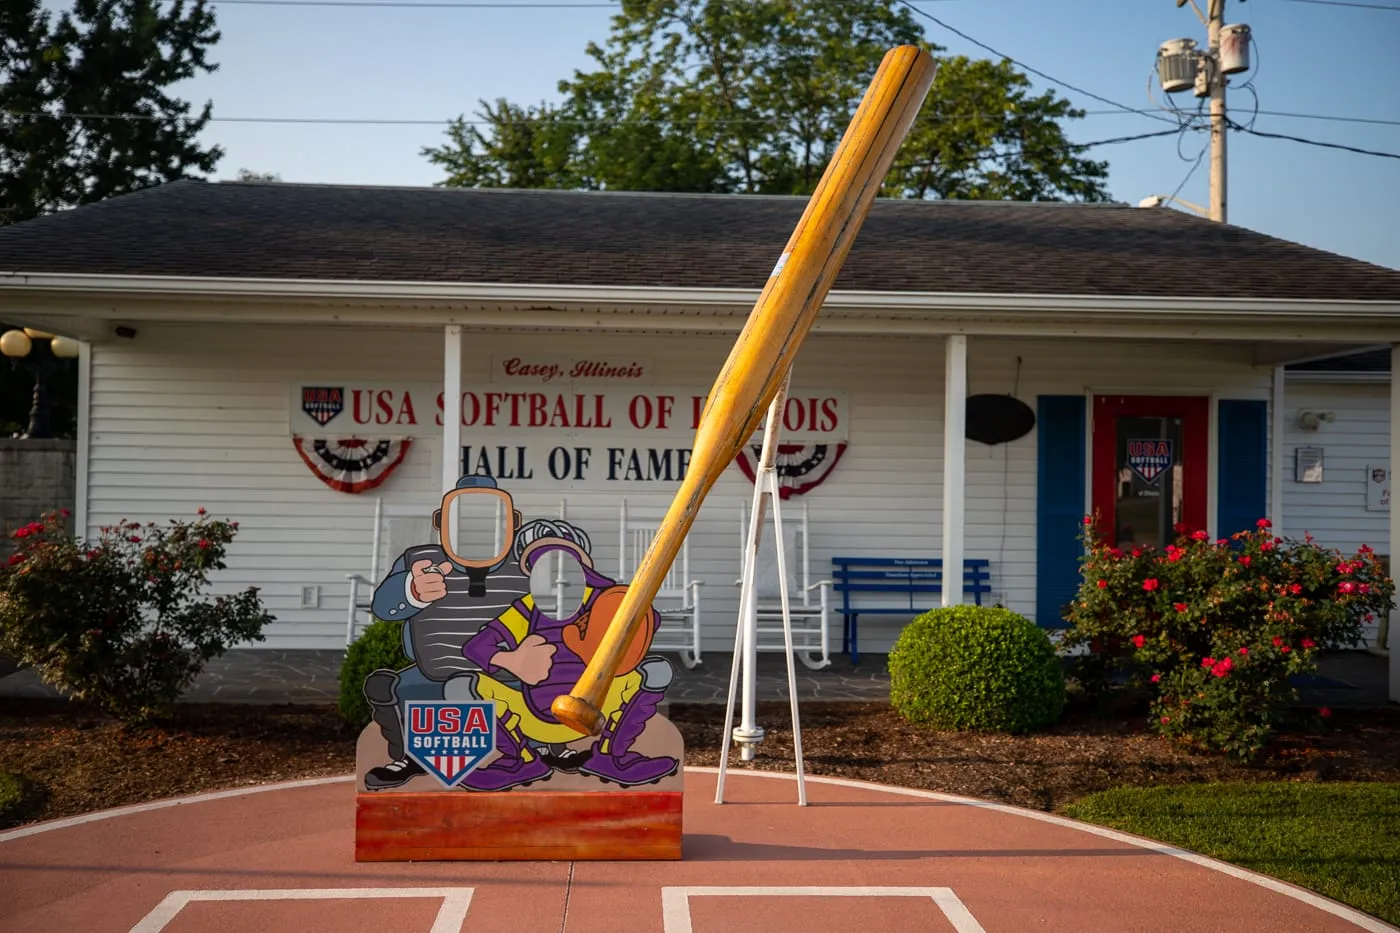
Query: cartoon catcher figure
526	659
443	598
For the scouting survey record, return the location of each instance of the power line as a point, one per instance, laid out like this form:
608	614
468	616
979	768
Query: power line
389	121
1350	3
1022	65
415	3
1314	142
1322	116
375	121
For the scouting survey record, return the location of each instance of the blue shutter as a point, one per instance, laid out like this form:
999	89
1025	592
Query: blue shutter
1059	504
1243	481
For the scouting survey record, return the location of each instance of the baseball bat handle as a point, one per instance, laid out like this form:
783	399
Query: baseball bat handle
764	351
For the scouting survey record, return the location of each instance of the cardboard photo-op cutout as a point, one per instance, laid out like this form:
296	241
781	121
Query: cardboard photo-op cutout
472	712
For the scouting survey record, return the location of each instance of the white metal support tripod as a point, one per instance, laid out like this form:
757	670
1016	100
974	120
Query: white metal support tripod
748	733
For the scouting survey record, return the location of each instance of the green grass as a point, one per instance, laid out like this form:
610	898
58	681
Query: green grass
1341	840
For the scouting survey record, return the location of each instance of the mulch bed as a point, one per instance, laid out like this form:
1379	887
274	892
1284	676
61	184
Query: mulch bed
84	761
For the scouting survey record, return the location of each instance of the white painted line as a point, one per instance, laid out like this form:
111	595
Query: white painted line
1336	909
455	902
98	815
1363	921
675	901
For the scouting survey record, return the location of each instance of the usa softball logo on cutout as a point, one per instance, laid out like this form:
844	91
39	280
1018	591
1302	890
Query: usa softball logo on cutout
450	739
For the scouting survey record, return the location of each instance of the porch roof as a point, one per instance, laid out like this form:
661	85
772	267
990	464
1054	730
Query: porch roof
307	232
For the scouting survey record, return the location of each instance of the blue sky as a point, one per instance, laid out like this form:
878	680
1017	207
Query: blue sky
433	64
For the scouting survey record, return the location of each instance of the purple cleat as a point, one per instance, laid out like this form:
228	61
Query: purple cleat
612	759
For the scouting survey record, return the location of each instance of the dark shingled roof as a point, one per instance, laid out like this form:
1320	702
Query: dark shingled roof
1367	361
275	230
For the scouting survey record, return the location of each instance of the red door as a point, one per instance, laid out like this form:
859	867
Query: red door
1150	463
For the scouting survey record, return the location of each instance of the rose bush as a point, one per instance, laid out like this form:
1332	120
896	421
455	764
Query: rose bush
121	622
1214	630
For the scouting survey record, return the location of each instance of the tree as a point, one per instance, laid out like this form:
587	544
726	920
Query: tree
102	57
753	97
247	174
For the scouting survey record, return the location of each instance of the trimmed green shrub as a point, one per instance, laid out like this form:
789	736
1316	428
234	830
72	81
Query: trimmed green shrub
379	647
976	668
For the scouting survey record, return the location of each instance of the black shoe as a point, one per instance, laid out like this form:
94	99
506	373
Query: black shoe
393	774
570	759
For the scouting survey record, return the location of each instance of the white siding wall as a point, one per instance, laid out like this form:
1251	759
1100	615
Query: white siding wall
1334	511
184	417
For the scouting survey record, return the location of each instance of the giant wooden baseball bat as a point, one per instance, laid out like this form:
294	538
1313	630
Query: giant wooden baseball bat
767	345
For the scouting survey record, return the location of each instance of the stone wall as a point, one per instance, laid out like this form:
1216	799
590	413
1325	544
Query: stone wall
36	476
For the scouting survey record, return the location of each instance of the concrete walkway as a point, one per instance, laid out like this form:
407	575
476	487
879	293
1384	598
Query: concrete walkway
1345	679
859	857
269	676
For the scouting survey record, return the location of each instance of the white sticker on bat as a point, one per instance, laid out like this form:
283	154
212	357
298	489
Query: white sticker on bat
782	261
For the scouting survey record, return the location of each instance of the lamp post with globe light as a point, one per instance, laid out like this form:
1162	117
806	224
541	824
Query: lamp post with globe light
42	353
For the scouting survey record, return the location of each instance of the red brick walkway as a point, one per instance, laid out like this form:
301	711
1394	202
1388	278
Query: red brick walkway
859	857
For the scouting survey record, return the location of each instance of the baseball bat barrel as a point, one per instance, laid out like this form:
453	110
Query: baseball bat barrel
764	351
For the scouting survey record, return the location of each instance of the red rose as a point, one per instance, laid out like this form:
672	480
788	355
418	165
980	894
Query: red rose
1103	584
1088	519
1180	607
1199	535
1307	643
1139	641
1207	662
1263	523
1156	677
1346	586
1325	713
1245	560
1166	719
1285	649
1277	641
1244	651
1295	588
1150	584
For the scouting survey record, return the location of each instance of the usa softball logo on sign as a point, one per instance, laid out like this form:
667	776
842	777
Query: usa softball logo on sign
322	403
450	739
1149	459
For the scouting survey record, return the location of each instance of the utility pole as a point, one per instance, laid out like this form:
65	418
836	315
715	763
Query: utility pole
1181	67
1216	76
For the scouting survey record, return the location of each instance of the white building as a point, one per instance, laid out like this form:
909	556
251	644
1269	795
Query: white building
1337	454
219	320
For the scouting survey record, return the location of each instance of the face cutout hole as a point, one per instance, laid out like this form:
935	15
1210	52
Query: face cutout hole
477	526
546	577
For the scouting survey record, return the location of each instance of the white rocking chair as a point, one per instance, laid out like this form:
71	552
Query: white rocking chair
809	616
396	528
677	602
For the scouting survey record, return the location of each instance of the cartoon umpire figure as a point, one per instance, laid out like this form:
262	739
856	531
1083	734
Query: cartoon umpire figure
444	593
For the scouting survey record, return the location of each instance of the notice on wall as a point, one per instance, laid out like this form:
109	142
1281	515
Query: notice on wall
569	436
1378	487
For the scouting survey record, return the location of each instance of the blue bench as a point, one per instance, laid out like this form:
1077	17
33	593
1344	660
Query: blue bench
905	576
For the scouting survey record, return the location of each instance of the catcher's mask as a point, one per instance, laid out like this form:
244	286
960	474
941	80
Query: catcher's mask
476	525
602	596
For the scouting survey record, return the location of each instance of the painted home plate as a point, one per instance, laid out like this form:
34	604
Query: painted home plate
860	856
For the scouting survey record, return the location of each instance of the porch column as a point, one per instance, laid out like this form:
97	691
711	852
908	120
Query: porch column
451	407
954	467
1394	642
1277	403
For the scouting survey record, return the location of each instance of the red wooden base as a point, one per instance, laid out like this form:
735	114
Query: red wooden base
516	826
